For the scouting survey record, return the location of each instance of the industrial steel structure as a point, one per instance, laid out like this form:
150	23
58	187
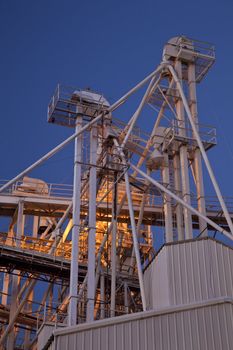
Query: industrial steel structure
89	244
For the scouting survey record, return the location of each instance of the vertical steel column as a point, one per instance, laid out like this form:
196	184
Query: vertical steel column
5	288
135	241
140	218
35	226
177	183
167	202
15	278
133	225
184	159
113	248
6	276
126	300
203	152
92	226
197	154
102	295
72	313
28	305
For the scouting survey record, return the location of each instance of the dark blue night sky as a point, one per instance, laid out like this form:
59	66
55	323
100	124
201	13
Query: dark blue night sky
109	46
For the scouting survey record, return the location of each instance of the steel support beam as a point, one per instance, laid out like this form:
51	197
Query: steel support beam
181	201
197	154
72	313
4	336
184	165
178	209
135	116
102	296
135	241
113	248
92	226
15	279
202	149
167	202
126	299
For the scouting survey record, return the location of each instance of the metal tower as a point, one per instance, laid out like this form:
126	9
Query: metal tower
89	243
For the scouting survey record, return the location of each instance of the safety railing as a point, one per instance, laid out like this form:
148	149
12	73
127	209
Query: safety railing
200	47
31	188
183	129
62	250
153	198
65	191
62	108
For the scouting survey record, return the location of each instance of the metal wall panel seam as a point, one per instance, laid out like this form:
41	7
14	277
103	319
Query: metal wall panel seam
160	331
82	340
175	327
198	271
229	262
67	342
180	285
75	341
173	298
230	323
114	338
222	328
210	262
216	321
138	333
130	336
210	323
107	338
164	337
183	332
163	327
146	335
190	330
168	278
202	271
197	329
169	267
123	337
98	339
153	330
187	275
144	315
184	276
206	268
169	332
223	258
217	274
201	326
228	273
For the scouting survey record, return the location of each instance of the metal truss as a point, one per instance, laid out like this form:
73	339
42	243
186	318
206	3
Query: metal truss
130	186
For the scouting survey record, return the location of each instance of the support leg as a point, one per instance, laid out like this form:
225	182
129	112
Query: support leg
92	227
72	313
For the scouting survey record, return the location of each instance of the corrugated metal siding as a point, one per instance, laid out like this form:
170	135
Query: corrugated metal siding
209	326
188	272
